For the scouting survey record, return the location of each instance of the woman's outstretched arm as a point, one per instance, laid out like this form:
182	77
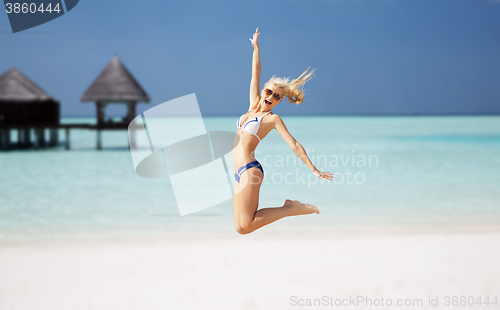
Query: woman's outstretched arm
255	82
298	149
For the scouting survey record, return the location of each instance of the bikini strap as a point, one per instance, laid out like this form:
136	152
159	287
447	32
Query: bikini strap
265	115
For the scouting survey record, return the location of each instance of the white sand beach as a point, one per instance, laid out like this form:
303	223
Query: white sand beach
253	272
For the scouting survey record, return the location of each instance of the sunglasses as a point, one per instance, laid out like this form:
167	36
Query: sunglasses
275	95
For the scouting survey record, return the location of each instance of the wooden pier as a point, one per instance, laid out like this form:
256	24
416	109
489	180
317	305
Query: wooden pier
34	135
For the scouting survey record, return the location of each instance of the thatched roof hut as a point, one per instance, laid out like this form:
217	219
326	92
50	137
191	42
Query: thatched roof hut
115	84
23	102
15	86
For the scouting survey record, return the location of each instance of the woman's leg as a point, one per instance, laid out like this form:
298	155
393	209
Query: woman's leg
246	202
236	214
246	199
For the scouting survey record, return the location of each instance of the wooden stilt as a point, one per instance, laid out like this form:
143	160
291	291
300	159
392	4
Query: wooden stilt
37	138
67	138
2	143
99	142
19	137
26	136
54	136
7	139
42	137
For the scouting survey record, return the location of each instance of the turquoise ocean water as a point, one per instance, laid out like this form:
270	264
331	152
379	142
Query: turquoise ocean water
430	173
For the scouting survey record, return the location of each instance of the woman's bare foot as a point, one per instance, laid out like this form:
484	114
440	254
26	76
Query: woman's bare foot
298	208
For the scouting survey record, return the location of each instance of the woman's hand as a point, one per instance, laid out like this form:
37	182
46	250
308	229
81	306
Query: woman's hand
255	42
324	175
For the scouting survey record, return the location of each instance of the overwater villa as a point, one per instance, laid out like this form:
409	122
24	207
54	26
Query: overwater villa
26	108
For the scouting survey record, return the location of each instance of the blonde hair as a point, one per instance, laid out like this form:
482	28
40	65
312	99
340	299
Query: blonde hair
292	90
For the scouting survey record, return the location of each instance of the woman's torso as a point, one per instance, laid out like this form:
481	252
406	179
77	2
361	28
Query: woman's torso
247	141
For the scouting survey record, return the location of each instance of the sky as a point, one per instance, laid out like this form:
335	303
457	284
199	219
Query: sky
373	57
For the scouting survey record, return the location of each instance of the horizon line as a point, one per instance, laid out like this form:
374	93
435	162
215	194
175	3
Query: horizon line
313	115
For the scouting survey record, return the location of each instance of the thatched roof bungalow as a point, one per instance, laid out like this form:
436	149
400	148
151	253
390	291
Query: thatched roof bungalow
22	102
115	84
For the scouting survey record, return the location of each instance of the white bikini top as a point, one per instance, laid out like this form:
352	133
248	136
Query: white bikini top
252	125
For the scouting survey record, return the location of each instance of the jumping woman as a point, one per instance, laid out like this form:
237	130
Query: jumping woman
253	126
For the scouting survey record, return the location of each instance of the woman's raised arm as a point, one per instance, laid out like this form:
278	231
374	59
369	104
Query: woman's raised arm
255	82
